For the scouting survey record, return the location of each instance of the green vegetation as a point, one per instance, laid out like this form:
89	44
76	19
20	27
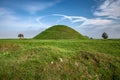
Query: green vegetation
59	59
21	36
104	35
60	32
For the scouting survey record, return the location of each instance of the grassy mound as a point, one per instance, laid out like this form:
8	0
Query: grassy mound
59	32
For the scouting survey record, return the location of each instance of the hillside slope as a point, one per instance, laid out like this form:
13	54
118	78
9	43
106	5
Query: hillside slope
59	32
60	59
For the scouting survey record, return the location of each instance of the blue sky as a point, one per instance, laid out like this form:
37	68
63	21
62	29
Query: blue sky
30	17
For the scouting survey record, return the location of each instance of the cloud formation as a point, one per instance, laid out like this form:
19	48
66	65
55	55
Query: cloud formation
106	19
12	24
85	21
109	9
93	27
11	20
73	19
34	7
4	11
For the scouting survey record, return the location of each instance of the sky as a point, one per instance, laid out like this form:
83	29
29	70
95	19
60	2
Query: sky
30	17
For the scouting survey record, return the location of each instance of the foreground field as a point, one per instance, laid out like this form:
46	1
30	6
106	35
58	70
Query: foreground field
59	59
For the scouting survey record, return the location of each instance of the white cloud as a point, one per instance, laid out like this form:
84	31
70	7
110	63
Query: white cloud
12	24
38	6
38	19
93	27
110	9
73	19
64	16
4	11
8	18
85	21
97	22
17	22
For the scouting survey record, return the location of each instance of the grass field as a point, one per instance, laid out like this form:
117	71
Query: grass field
59	59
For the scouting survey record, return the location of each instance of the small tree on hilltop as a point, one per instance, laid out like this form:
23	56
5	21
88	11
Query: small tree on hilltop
21	36
105	35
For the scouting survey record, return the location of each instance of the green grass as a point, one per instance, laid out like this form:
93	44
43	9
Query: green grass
60	32
59	59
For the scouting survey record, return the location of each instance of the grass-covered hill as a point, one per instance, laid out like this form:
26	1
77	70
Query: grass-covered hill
60	32
59	59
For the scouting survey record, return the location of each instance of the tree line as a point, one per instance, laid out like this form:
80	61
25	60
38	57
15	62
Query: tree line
104	36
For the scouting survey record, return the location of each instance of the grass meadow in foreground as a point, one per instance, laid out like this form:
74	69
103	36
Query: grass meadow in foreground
59	59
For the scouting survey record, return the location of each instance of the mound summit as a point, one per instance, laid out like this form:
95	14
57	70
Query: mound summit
60	32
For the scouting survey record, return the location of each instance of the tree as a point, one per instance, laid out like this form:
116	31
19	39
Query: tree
91	38
105	35
21	36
